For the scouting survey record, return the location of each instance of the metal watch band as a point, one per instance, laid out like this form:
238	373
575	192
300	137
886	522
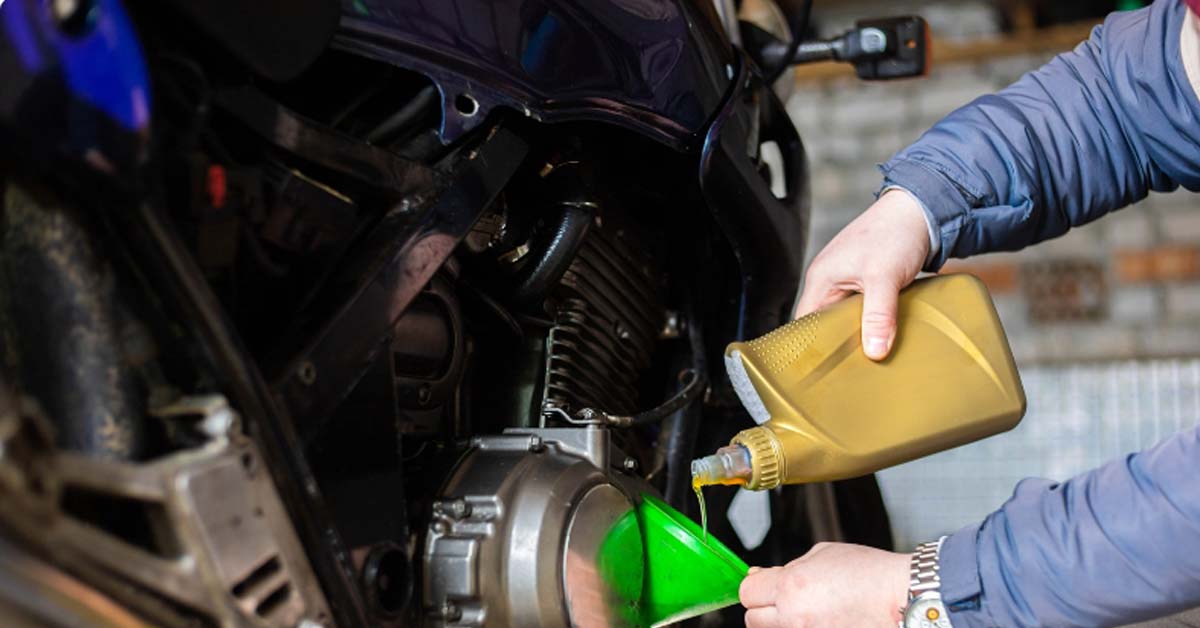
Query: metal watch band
923	568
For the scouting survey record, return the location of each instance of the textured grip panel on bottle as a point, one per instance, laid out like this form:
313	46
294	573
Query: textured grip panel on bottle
777	350
766	459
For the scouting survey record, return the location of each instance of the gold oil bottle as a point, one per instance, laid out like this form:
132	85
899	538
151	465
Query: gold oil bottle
827	412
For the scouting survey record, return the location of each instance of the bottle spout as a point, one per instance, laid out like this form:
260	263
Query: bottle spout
730	465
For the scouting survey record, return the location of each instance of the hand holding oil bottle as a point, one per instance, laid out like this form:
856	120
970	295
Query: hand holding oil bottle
826	411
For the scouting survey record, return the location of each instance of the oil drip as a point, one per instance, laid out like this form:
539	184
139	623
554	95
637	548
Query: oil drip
730	466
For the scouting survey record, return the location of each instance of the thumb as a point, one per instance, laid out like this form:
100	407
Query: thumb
879	318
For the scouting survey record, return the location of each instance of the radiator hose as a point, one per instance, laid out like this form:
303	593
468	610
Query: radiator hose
553	252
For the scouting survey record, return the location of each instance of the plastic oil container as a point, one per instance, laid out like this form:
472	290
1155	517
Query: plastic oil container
827	412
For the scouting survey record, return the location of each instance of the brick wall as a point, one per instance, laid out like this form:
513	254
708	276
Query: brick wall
1126	286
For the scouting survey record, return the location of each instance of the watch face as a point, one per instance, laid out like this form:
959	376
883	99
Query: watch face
926	611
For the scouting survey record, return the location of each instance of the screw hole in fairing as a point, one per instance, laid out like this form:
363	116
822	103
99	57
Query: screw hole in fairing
466	105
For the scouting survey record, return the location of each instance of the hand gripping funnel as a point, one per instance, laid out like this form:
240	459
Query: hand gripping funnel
685	575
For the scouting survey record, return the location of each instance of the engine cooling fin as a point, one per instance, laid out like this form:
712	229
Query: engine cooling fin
607	317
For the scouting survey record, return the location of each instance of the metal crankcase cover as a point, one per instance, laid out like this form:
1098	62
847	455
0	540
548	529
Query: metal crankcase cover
530	531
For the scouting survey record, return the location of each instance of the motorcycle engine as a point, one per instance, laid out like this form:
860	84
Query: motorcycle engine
454	477
411	332
518	531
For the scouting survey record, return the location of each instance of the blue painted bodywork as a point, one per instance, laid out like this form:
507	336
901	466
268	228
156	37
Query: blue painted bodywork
661	67
84	93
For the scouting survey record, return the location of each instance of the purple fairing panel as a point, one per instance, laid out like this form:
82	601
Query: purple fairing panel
660	67
82	90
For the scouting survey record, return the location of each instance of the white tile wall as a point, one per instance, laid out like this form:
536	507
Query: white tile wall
1079	416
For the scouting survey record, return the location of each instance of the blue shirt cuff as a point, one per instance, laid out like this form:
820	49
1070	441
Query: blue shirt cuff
935	240
943	201
958	567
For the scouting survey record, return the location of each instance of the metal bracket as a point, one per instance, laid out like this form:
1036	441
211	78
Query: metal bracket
217	541
317	379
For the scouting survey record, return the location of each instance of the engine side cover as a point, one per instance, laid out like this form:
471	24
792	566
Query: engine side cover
530	531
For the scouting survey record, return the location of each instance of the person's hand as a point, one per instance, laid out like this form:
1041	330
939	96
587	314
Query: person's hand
878	254
834	584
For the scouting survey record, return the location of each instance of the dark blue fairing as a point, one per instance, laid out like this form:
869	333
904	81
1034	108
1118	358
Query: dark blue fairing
80	92
660	67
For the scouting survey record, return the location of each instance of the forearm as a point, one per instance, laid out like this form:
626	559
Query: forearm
1114	545
1092	131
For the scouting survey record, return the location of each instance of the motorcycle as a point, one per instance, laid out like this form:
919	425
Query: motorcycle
373	312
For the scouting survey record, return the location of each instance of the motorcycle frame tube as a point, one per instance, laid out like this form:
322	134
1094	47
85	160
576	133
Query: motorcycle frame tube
345	342
766	234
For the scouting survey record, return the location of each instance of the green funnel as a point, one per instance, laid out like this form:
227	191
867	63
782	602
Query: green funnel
685	576
653	567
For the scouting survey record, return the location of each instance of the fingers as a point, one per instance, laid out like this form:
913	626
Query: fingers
834	584
820	294
760	588
880	298
815	291
764	617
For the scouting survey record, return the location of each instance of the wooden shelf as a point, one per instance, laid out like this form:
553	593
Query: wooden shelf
1049	40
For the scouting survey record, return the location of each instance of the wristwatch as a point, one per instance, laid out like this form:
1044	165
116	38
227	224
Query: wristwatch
925	608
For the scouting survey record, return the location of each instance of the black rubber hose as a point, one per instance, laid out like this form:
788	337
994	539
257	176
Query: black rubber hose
690	392
694	380
553	255
403	121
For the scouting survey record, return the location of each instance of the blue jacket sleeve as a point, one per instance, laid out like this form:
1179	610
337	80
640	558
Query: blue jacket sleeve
1092	131
1117	544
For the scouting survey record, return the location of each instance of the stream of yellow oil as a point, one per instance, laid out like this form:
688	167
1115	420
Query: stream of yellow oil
698	488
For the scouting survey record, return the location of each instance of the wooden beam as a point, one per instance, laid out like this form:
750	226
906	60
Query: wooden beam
1049	40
